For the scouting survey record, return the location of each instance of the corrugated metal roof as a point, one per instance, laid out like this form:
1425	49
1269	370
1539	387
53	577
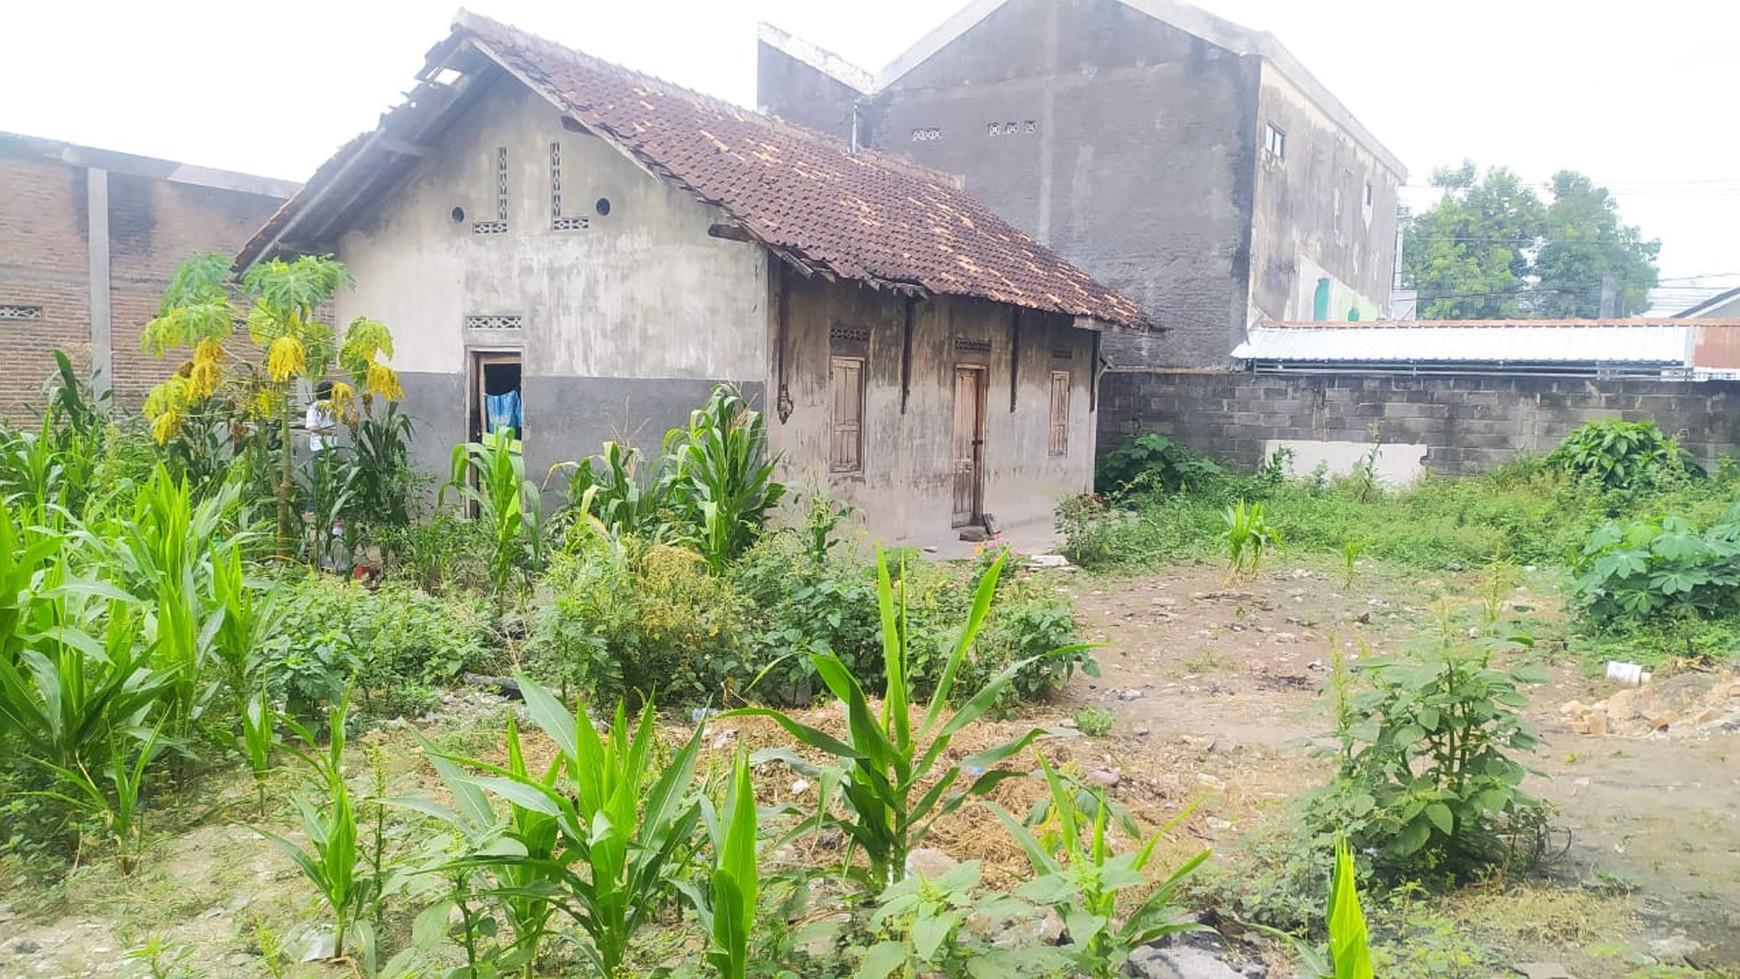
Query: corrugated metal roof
1475	341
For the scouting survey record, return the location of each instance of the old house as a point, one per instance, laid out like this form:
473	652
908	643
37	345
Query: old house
607	246
1192	164
88	239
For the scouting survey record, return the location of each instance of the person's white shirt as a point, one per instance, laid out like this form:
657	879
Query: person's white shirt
320	424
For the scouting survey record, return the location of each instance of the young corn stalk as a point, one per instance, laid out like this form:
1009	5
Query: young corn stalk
894	778
507	503
603	833
1080	878
726	905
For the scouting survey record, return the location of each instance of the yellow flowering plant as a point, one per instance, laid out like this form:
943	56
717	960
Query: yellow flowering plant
280	303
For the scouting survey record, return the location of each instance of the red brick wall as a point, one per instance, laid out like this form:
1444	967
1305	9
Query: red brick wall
44	261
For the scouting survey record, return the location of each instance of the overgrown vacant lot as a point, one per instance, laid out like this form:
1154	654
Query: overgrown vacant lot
262	712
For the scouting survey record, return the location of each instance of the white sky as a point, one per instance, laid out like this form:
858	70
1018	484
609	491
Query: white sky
1626	93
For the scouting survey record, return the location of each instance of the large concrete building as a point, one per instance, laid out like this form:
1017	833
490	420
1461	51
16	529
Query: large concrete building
608	247
88	239
1190	163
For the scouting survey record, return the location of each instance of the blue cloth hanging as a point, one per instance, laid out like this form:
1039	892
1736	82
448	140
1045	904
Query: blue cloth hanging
503	411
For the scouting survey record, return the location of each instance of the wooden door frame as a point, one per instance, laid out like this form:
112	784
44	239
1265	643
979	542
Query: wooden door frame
475	362
981	375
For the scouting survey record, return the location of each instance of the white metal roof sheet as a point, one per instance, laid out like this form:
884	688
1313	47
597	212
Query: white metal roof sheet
1485	343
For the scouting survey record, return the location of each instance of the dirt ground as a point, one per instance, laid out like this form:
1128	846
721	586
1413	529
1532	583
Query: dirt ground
1212	688
1239	670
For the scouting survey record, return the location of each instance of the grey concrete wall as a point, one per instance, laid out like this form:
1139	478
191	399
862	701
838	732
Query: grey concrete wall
1468	424
1310	219
804	95
1130	155
429	401
905	490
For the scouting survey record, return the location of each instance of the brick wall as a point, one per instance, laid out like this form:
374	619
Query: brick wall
45	261
1469	424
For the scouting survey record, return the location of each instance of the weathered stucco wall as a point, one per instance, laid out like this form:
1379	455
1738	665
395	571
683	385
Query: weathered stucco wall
1311	220
1466	424
641	293
907	479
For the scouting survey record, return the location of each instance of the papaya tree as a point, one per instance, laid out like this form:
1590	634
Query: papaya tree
288	346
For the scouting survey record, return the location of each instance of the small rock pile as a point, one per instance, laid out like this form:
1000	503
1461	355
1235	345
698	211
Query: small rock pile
1689	703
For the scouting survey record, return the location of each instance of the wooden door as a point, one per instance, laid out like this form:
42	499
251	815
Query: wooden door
969	494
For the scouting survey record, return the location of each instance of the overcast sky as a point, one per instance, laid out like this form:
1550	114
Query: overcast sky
1634	94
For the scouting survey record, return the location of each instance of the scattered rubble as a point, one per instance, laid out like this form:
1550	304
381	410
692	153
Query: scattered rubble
1684	704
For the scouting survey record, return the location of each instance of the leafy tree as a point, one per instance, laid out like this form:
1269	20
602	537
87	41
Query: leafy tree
280	302
1469	255
1492	249
1585	242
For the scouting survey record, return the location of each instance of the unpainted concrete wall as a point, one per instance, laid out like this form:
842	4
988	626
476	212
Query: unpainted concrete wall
626	323
1310	219
1467	424
1121	142
905	490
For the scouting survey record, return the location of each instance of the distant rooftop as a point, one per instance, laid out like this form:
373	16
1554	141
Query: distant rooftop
73	154
1663	344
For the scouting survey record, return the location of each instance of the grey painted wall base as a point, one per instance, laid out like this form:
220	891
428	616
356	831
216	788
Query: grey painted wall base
570	418
567	418
1467	424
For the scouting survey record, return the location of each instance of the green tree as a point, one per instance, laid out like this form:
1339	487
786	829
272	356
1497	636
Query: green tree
1584	243
1492	249
1469	255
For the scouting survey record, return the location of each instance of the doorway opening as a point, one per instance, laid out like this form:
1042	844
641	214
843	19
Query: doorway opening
495	398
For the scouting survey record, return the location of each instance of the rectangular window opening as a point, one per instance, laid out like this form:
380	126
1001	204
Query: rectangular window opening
1275	141
1060	413
1368	193
13	311
846	420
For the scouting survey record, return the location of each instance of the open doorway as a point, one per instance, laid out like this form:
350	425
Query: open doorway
496	394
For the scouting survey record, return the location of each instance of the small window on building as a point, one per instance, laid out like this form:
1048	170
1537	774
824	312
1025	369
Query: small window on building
846	422
1368	193
1060	413
1275	141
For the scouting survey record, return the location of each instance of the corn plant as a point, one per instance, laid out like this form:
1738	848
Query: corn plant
1247	536
124	771
726	906
1350	553
619	825
724	475
894	780
611	487
1348	954
334	862
1081	878
523	889
259	734
491	476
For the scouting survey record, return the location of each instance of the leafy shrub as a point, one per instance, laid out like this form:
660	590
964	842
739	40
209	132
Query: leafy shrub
794	602
632	617
1621	456
1631	574
1427	782
394	644
1153	460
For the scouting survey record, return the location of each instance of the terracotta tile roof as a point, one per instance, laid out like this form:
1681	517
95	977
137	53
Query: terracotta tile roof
864	216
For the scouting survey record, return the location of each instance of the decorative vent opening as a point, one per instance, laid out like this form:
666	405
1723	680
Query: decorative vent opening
500	225
15	312
973	346
1062	353
849	334
928	134
557	221
508	321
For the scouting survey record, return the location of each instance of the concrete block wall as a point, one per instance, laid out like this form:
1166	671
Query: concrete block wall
1469	423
